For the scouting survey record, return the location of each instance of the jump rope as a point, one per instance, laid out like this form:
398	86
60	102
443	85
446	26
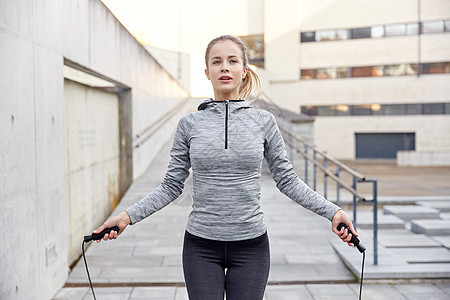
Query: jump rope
98	236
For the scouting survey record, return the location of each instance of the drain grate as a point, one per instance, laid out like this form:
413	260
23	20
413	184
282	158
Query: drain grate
182	284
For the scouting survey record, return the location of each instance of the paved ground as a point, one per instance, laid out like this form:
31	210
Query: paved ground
145	262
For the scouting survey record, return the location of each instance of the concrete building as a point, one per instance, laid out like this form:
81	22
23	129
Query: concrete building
374	74
84	108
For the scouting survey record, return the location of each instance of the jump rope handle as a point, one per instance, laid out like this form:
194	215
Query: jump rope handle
354	240
100	235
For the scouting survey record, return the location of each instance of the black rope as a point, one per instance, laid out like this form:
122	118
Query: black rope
87	270
362	274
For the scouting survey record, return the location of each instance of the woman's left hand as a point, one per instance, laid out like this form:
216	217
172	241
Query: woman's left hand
344	235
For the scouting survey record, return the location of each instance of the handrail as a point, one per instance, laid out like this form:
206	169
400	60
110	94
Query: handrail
325	155
328	172
161	121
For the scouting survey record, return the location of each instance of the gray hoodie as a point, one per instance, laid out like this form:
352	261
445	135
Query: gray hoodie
224	142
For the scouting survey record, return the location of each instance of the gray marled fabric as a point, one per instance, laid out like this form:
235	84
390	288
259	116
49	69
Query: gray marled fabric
224	143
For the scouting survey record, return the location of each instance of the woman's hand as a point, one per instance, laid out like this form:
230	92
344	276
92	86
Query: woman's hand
344	235
122	220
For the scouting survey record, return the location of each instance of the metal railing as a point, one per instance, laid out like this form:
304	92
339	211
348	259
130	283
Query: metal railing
310	154
321	160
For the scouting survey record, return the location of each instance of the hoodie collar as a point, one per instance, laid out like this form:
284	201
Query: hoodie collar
234	104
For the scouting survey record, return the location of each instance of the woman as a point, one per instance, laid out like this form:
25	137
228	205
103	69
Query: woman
226	247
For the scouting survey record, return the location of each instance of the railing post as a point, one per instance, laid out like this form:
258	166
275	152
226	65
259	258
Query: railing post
315	171
306	165
338	186
354	201
375	222
325	163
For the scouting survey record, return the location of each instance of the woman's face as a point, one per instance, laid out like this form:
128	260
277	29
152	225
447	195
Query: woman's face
225	69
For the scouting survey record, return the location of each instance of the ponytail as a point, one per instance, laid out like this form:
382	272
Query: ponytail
251	86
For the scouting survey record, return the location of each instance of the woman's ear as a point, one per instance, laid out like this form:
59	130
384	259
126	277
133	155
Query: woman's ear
245	72
207	74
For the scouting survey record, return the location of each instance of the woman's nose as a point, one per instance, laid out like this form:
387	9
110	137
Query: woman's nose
225	67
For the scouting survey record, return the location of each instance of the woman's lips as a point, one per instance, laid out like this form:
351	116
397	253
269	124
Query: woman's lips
225	78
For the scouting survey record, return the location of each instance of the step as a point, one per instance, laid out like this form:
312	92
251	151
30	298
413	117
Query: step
442	206
431	227
364	219
410	212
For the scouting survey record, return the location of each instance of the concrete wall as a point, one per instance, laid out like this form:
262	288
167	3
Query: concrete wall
36	39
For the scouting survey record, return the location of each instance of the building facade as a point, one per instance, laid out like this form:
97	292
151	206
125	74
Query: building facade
374	74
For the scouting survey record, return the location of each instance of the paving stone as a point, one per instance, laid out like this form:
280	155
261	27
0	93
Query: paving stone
410	212
331	291
71	294
153	293
431	227
288	293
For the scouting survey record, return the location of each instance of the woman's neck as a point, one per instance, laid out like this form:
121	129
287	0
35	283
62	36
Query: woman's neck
223	97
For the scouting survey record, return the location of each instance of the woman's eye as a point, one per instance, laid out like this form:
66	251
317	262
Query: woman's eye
216	62
233	61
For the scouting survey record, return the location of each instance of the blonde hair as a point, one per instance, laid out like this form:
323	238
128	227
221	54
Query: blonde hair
251	83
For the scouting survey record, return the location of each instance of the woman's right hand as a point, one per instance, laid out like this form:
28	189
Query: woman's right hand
122	220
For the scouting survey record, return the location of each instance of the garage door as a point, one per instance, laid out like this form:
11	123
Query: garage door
92	159
383	145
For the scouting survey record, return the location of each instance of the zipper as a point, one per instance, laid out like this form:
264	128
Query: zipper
226	124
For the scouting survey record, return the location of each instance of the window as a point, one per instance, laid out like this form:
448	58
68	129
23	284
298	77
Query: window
395	109
447	25
433	68
343	34
394	70
447	108
309	110
377	109
433	108
361	110
412	109
255	49
377	31
326	35
325	111
367	71
342	72
361	71
327	73
412	29
433	26
395	30
308	74
308	37
411	69
342	110
404	69
360	33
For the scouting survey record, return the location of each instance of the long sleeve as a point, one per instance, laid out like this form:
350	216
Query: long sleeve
172	185
285	177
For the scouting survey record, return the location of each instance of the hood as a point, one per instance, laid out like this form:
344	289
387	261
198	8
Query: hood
233	104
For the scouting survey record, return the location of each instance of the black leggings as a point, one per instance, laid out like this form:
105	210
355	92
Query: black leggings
211	268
